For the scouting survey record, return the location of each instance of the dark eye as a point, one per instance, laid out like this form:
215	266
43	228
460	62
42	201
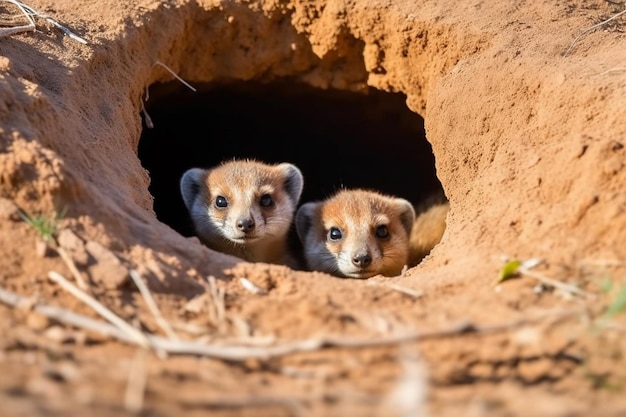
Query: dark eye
221	202
382	232
266	200
334	234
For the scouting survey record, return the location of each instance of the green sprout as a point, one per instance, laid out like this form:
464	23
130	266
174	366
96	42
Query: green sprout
618	304
510	269
46	226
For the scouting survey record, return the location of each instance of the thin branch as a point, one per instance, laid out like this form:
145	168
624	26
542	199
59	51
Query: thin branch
147	118
71	265
137	379
154	309
555	283
589	29
61	315
28	12
400	288
218	313
113	318
294	406
604	262
252	287
15	29
171	71
240	353
22	28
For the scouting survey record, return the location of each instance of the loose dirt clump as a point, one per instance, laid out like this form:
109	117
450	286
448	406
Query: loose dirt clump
513	110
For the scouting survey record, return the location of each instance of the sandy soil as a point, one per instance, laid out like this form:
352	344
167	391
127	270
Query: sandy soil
523	104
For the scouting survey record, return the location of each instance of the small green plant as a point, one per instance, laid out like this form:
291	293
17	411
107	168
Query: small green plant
510	269
618	305
514	267
45	225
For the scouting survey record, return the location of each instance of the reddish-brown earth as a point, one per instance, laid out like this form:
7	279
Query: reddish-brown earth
524	106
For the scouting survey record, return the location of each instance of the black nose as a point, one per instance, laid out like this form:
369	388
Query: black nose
362	260
245	225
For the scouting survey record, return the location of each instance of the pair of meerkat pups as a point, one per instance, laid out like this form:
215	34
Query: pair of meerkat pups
246	208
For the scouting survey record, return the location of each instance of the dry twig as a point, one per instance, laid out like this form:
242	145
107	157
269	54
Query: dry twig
147	117
29	12
555	283
21	28
137	336
218	312
592	28
252	287
400	288
71	265
154	309
240	353
171	71
137	379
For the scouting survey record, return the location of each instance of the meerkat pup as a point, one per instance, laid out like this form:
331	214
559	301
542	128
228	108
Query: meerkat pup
361	233
356	234
244	208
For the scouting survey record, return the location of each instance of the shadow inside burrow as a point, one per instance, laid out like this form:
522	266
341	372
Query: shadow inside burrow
339	139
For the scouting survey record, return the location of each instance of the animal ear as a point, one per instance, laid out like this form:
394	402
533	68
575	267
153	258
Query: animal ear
190	185
293	180
305	216
407	213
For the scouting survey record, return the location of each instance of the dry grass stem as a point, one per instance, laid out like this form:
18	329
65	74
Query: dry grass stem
402	289
110	316
71	265
185	83
555	283
190	328
252	287
147	118
218	312
137	380
611	70
592	28
604	262
60	315
29	12
240	353
293	405
154	309
21	28
409	396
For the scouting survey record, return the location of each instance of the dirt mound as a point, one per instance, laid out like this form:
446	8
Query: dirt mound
515	111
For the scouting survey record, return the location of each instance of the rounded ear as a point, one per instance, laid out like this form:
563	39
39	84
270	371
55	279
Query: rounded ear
305	216
407	214
190	185
293	180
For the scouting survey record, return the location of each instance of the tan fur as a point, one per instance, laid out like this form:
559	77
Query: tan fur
427	231
357	215
246	227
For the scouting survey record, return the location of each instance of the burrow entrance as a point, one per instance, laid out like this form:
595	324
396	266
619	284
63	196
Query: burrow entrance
337	138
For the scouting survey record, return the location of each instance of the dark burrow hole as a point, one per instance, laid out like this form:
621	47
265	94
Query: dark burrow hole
337	138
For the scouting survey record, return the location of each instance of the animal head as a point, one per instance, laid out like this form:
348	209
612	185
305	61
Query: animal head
242	202
356	234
